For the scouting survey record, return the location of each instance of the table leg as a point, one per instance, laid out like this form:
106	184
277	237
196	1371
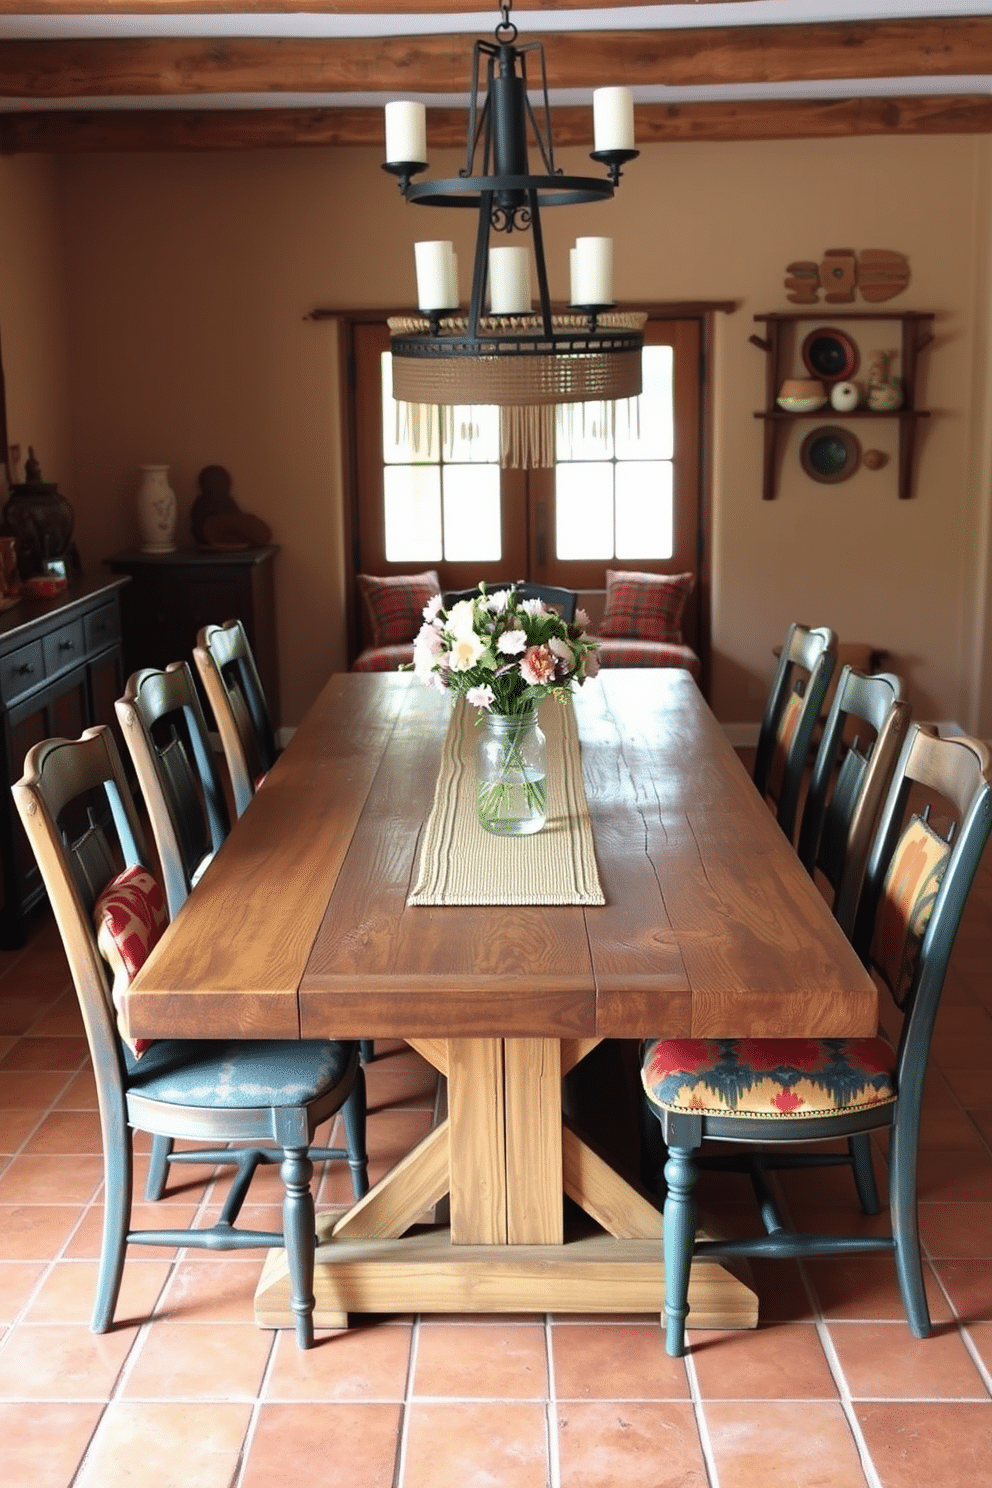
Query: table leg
477	1142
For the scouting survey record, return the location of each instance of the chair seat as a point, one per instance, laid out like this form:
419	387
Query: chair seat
795	1078
227	1074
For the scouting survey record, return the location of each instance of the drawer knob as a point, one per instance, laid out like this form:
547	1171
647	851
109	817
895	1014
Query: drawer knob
67	645
25	669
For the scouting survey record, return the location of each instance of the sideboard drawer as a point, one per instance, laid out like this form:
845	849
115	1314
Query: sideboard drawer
64	648
21	670
102	627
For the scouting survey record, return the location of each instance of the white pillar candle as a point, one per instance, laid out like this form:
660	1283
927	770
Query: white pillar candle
613	119
509	281
437	275
592	271
406	132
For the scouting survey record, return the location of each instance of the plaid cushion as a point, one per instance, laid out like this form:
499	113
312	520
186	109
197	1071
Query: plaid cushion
395	605
647	654
645	607
908	895
801	1077
383	658
129	916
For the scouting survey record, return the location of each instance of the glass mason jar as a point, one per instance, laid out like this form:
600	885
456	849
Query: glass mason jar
511	792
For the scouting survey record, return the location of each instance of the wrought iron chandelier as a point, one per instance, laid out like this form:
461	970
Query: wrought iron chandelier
525	361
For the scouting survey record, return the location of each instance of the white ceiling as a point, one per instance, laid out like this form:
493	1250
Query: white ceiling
102	23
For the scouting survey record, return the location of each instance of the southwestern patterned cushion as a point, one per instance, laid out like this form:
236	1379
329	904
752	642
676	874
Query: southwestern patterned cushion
129	917
908	894
802	1077
395	605
645	606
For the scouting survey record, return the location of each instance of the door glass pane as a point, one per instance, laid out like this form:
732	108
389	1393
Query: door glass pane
584	431
644	509
471	513
412	496
584	510
410	431
471	435
645	425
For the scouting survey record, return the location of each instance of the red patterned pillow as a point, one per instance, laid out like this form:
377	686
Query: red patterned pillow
129	916
396	605
644	606
915	873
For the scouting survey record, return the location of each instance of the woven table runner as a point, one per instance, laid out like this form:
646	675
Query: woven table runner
461	863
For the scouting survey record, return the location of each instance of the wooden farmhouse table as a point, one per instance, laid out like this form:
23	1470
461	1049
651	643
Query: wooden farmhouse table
301	928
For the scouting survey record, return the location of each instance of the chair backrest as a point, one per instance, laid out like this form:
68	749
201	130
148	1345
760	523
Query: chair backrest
74	802
565	601
166	736
455	596
850	780
230	679
934	826
793	707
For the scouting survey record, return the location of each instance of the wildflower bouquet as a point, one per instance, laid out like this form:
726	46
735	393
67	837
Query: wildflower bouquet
502	653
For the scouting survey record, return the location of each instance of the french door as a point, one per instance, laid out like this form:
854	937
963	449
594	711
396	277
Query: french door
624	492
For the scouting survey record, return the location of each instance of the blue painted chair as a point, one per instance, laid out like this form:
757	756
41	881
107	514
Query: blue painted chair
765	1092
565	601
226	667
794	703
81	822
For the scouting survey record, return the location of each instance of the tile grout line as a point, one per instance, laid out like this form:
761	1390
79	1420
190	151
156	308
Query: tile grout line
551	1408
403	1437
872	1478
699	1412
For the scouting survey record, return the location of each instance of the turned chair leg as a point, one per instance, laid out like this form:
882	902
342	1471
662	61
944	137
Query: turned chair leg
353	1114
680	1238
905	1231
300	1238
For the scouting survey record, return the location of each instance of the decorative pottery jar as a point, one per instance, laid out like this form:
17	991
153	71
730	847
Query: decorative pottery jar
884	392
156	510
845	396
40	519
511	770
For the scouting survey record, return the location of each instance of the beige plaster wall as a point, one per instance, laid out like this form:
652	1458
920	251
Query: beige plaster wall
188	278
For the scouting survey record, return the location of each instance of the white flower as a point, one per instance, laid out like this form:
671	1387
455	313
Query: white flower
499	601
461	619
481	697
566	656
582	618
465	651
532	607
433	605
512	642
427	647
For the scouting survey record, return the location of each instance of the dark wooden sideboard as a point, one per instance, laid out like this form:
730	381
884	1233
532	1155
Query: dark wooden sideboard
61	669
173	594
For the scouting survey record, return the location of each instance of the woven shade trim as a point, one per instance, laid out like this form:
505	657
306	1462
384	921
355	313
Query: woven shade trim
513	380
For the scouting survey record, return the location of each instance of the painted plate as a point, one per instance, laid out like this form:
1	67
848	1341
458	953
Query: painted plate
829	354
830	454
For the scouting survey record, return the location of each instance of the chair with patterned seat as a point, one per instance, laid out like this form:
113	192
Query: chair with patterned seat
252	1101
767	1092
226	667
791	713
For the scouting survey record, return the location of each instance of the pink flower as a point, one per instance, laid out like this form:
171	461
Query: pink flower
480	697
537	665
565	656
582	619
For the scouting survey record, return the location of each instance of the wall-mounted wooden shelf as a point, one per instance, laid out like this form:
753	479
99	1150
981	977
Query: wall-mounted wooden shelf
915	336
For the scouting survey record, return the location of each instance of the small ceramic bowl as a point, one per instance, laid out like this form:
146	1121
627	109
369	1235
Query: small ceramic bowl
801	395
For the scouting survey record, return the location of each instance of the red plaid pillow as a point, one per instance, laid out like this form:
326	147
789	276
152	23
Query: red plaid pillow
129	916
395	605
645	607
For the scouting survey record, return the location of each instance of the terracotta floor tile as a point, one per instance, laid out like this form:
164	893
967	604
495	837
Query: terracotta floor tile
969	1286
639	1444
64	1362
32	1089
80	1093
58	1053
972	1088
781	1362
968	1049
42	1178
969	1017
41	1444
939	1442
16	1126
201	1291
337	1446
199	1361
30	1232
17	1014
407	1086
490	1360
69	1289
18	1280
883	1361
174	1443
615	1362
782	1293
772	1444
63	1017
866	1286
67	1132
362	1363
962	1231
955	1178
980	1335
946	1130
983	1123
470	1445
86	1241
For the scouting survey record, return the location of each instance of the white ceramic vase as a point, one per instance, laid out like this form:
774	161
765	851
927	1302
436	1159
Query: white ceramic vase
845	396
156	510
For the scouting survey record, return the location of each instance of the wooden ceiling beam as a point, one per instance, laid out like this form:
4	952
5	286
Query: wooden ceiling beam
143	130
711	56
